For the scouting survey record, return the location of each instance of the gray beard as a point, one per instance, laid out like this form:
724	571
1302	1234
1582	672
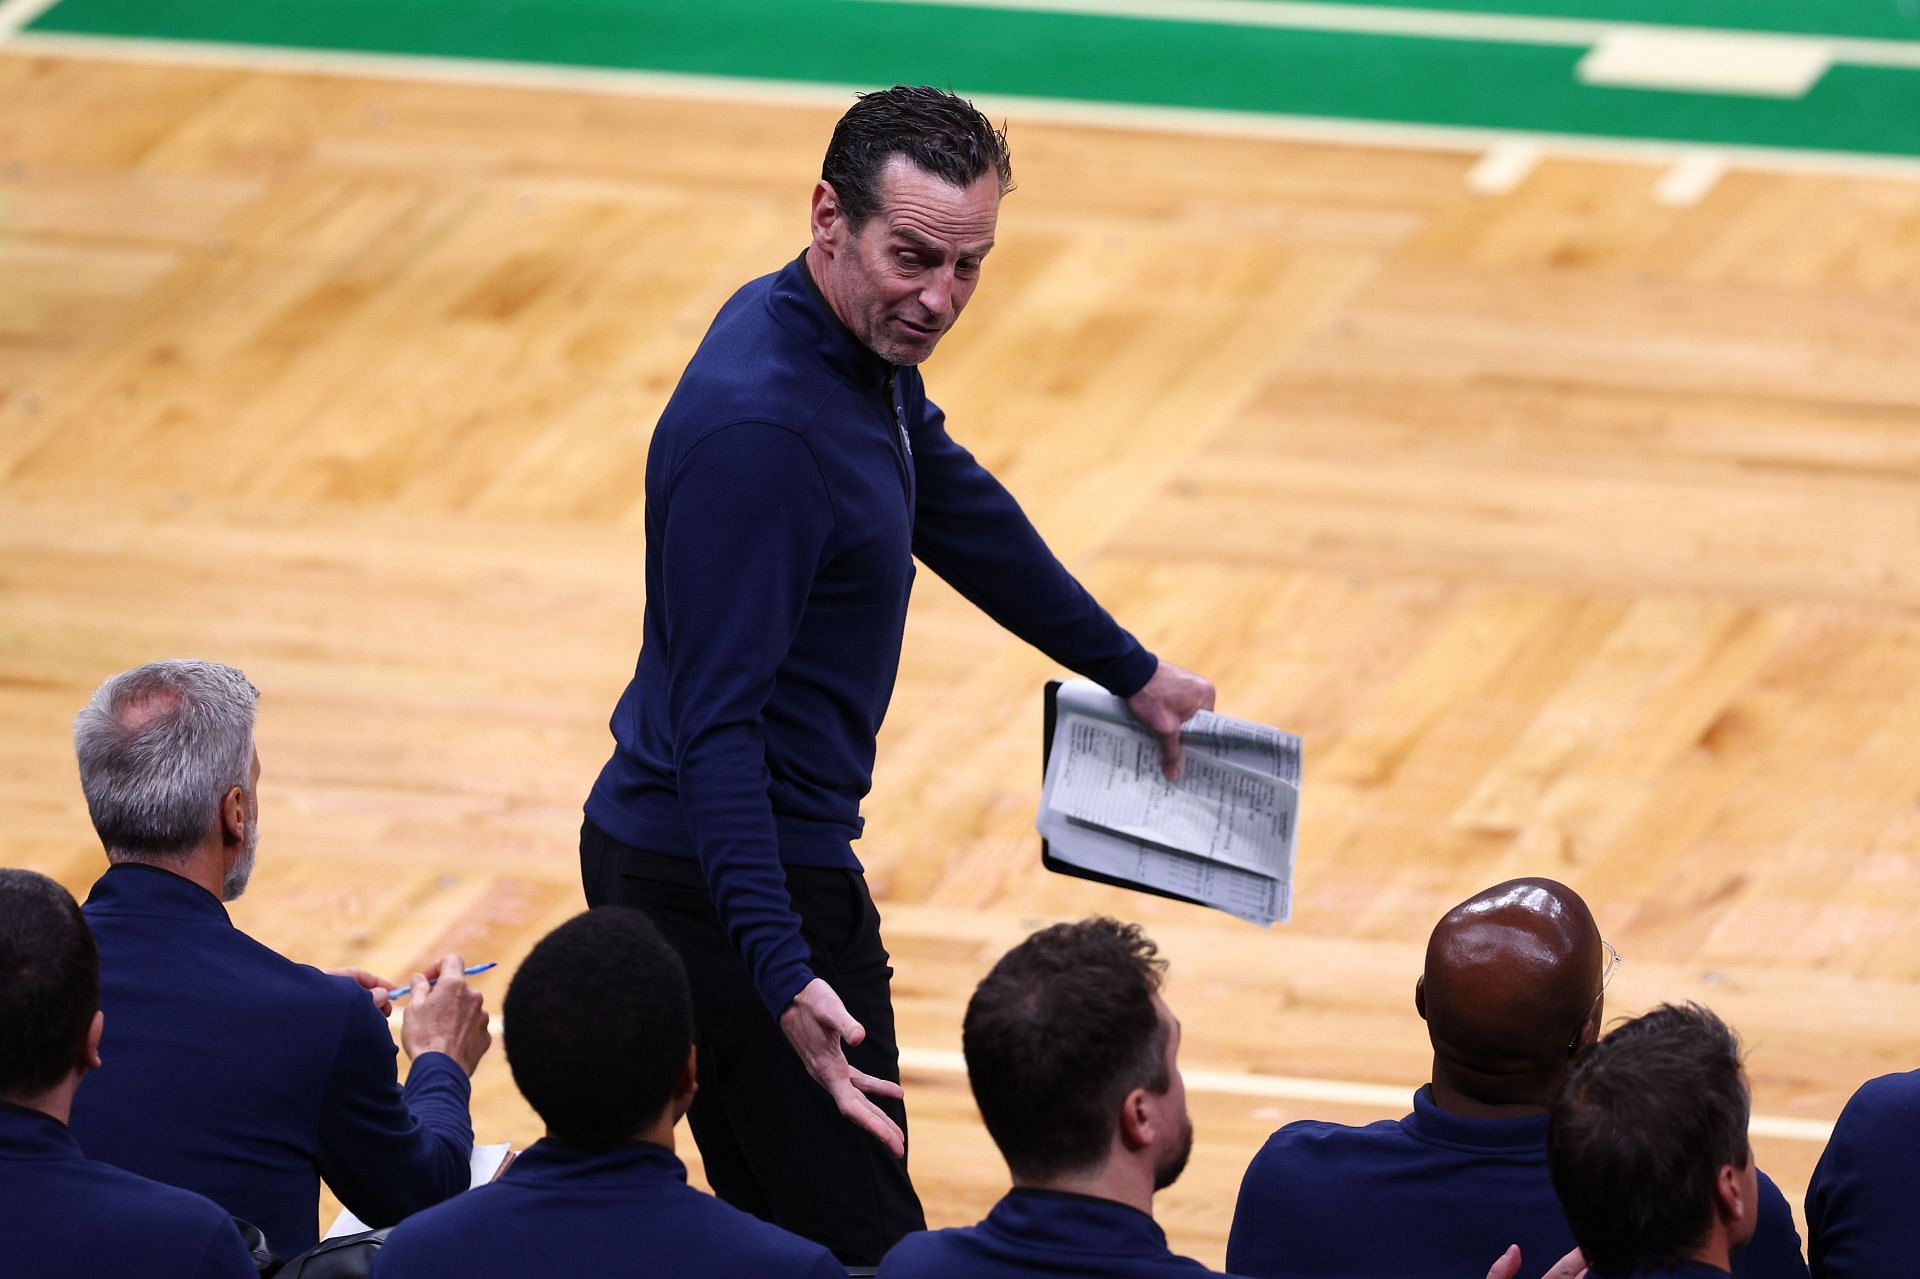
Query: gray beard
236	881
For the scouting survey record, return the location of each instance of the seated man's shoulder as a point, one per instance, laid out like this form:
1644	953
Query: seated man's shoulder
743	1236
302	989
1319	1143
102	1209
725	1241
1890	1098
978	1252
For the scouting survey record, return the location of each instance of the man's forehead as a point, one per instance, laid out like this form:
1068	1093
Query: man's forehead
917	205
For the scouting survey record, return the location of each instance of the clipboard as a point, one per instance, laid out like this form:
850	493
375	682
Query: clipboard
1050	703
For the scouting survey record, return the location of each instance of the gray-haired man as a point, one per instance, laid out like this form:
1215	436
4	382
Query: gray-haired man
237	1073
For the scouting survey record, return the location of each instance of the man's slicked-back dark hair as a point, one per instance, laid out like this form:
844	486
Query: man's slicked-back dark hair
1057	1034
49	983
598	1023
938	131
1636	1140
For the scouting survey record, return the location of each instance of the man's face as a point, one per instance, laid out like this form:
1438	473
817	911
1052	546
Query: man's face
1172	1159
903	278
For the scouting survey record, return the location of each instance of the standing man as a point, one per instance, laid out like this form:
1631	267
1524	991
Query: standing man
795	475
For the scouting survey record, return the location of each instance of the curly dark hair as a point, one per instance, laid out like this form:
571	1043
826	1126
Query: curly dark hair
599	1022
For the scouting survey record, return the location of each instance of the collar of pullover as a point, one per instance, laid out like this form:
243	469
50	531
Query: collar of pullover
801	309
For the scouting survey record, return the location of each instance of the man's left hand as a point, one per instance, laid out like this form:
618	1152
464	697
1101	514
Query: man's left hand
1171	698
1571	1266
379	987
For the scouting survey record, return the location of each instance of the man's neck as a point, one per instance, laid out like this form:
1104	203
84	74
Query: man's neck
203	866
1449	1096
1715	1251
1119	1180
55	1103
657	1133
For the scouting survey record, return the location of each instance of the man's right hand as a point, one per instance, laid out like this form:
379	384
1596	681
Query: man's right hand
816	1023
445	1015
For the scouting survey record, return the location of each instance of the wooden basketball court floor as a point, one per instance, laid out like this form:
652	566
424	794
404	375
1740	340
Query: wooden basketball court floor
1578	534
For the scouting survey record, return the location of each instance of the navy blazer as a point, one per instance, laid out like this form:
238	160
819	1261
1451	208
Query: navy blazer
246	1077
1324	1199
1861	1218
559	1210
1044	1233
65	1216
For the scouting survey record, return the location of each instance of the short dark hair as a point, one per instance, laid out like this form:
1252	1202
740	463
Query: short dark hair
598	1023
1647	1118
1057	1034
49	983
938	131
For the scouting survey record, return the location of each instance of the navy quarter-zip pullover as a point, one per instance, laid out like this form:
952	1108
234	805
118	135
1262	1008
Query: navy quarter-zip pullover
1861	1215
793	479
65	1216
1045	1234
562	1210
1322	1200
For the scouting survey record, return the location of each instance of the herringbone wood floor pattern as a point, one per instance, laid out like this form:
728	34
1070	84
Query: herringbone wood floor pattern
1578	535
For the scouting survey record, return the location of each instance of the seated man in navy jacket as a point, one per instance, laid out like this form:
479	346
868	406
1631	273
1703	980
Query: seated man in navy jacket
1072	1056
599	1033
1861	1221
62	1215
1512	990
1649	1149
237	1073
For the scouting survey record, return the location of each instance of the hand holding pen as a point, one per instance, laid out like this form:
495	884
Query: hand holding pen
447	1015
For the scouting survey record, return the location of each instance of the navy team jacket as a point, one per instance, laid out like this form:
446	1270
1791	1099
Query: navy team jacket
65	1216
1324	1199
1035	1233
792	480
1861	1216
561	1210
245	1077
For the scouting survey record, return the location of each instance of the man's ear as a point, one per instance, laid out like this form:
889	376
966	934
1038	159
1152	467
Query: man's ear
1730	1200
828	221
233	816
1136	1120
1420	995
90	1057
686	1083
1589	1031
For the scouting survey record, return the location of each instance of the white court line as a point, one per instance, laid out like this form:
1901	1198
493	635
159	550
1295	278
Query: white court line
935	1061
1503	168
1687	183
1305	15
15	14
1337	1092
1187	120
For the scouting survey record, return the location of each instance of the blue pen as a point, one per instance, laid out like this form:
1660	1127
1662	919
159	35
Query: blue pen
404	991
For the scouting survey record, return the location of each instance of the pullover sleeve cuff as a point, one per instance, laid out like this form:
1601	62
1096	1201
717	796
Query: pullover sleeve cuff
778	989
1127	675
437	1075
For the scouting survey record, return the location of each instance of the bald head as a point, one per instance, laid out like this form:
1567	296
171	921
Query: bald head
1509	989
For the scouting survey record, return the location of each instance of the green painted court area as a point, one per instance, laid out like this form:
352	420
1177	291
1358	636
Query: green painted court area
1859	100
